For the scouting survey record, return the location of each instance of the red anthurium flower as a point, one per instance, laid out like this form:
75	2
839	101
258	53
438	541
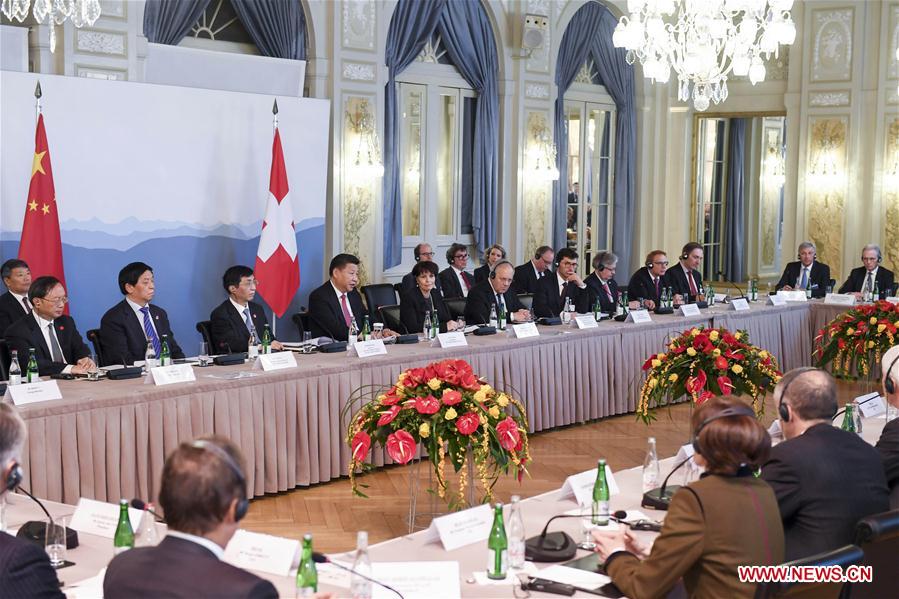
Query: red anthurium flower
400	446
469	381
361	444
467	423
725	384
648	363
508	433
451	397
704	397
699	341
721	363
695	384
427	405
388	416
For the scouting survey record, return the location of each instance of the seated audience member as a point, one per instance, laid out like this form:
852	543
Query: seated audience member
549	300
422	253
863	278
14	303
728	518
58	346
238	317
203	495
825	479
130	325
647	283
454	280
527	275
25	569
494	254
685	279
806	273
601	281
424	298
496	291
888	445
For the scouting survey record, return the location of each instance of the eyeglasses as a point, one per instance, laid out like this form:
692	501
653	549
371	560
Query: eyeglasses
428	254
460	256
665	263
56	301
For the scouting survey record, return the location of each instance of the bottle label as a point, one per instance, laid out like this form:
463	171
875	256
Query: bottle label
122	549
516	553
491	563
253	351
15	379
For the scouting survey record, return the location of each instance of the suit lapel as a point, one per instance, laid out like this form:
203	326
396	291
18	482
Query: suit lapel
237	322
37	338
135	326
63	335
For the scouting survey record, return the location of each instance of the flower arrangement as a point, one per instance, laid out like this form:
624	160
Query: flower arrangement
705	362
853	342
453	414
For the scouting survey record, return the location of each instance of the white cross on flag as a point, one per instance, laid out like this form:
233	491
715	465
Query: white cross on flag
277	267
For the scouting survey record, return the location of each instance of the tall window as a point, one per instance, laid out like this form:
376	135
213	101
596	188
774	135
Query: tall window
710	190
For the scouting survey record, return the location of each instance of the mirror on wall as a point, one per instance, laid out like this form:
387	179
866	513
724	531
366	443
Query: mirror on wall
738	195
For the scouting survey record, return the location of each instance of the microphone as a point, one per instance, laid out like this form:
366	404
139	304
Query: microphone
642	524
126	372
731	285
321	558
553	546
660	498
139	504
230	358
36	531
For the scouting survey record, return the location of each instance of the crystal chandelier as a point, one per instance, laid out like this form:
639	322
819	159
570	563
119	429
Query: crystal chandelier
704	41
81	12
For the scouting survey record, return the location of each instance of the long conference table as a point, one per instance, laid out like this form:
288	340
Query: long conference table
107	440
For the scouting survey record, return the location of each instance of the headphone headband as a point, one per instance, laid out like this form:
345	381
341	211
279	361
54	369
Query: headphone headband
726	412
888	385
243	504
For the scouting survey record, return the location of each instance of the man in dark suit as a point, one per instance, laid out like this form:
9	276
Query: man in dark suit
455	281
57	343
806	273
862	279
647	283
238	317
334	305
423	252
204	496
601	282
493	292
888	444
14	303
25	569
825	479
127	327
552	291
685	279
527	275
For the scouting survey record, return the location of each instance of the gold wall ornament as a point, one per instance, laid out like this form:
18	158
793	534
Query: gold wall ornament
773	177
891	197
362	169
826	190
539	169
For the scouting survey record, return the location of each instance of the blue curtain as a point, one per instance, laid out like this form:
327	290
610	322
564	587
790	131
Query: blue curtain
734	202
168	21
590	33
412	24
277	28
468	38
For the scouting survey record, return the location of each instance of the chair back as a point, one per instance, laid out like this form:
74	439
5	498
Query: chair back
843	557
377	295
391	316
301	320
398	289
878	536
204	328
833	284
456	307
5	359
527	300
93	335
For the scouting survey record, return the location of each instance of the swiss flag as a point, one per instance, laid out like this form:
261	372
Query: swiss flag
41	245
277	268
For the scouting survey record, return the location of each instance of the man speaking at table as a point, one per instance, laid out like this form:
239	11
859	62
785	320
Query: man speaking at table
863	279
806	273
203	495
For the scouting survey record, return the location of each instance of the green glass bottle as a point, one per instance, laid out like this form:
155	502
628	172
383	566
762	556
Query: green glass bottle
266	339
124	534
366	329
600	511
31	372
849	418
710	294
875	295
497	546
307	575
435	324
165	355
501	318
597	311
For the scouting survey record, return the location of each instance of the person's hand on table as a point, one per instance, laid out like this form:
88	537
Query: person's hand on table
649	304
83	366
277	346
608	542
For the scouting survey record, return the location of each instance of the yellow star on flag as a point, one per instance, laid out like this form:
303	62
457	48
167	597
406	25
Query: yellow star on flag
45	209
36	164
32	205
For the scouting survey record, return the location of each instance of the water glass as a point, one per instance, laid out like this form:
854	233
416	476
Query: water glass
93	373
55	543
203	354
586	519
461	321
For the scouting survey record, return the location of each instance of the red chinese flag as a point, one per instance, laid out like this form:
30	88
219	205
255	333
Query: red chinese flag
277	266
41	245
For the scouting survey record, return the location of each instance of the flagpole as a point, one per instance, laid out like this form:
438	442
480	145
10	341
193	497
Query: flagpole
274	129
37	101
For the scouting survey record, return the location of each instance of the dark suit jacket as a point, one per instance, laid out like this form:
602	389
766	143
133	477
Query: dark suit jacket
856	280
408	283
481	273
641	287
449	282
413	306
819	277
178	568
597	292
25	570
326	315
888	446
548	302
677	280
525	279
122	334
11	310
229	329
825	481
24	334
482	297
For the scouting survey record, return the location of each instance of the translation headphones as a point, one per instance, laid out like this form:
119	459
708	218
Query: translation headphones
732	411
14	477
879	255
888	385
492	274
243	504
782	409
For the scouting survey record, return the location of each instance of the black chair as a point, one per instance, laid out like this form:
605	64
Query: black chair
398	289
843	557
93	335
895	290
456	307
878	536
204	328
379	294
833	284
527	300
391	316
301	319
5	359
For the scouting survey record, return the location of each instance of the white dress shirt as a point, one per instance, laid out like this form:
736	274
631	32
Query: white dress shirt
140	317
462	282
45	326
215	548
349	306
22	299
808	276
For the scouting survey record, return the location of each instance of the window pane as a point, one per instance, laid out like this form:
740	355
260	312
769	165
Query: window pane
573	207
412	136
466	192
446	155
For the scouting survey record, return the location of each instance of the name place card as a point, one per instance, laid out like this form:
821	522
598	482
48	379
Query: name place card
101	519
638	316
276	361
839	299
777	300
366	349
27	393
740	304
525	330
690	310
452	339
176	373
266	553
794	295
417	580
720	298
580	486
585	321
462	528
893	300
872	404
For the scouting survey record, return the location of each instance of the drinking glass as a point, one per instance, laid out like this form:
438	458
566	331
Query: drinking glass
93	373
203	354
587	542
56	541
461	321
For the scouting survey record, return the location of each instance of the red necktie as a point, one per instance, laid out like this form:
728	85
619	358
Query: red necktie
467	282
605	285
693	290
657	286
346	311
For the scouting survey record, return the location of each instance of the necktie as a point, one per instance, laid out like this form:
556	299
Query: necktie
249	320
655	281
150	332
803	284
692	282
55	350
605	285
562	290
346	311
499	302
27	305
869	282
464	276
